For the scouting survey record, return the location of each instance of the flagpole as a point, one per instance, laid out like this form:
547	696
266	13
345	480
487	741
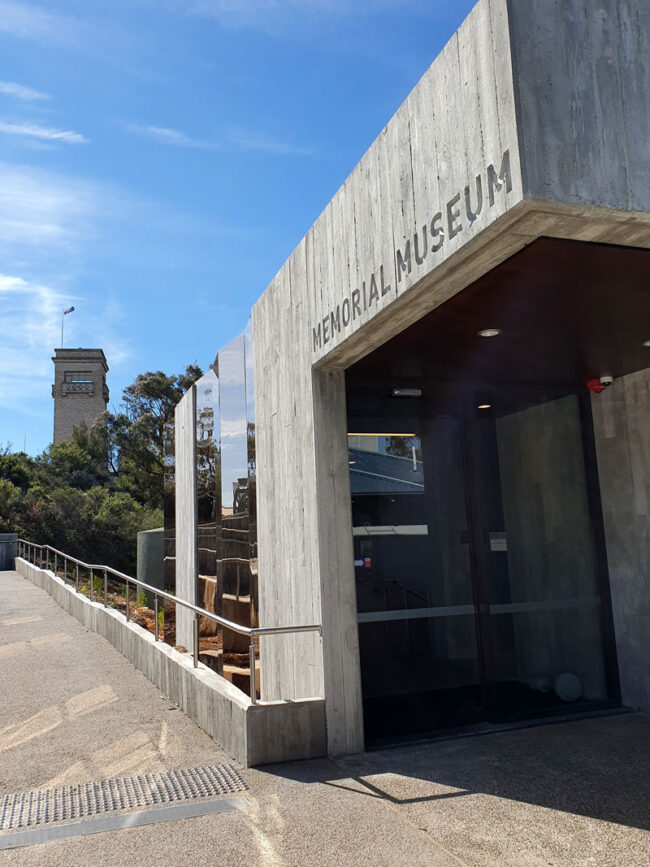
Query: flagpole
62	321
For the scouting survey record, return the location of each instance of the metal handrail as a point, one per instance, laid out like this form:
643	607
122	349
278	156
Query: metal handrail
251	631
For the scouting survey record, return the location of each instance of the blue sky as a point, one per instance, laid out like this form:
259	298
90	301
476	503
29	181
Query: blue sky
160	159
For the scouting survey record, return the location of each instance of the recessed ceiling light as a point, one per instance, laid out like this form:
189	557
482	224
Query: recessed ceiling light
484	405
489	332
646	343
407	392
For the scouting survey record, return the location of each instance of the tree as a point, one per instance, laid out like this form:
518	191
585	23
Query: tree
70	464
402	447
134	435
17	469
90	496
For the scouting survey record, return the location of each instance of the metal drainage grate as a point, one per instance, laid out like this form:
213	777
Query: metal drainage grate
27	809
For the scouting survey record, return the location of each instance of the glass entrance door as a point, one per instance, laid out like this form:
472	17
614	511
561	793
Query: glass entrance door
541	590
481	595
417	621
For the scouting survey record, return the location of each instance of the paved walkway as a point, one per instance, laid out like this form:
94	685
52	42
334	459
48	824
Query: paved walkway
73	710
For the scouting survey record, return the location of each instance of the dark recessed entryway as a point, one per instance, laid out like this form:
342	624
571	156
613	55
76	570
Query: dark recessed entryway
481	568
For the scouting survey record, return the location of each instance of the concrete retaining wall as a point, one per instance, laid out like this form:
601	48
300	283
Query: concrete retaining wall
254	734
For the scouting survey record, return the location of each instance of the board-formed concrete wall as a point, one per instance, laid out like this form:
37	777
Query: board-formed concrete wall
582	89
532	121
443	171
622	429
186	519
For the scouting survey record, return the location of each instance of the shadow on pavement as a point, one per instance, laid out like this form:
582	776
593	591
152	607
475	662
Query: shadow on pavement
599	768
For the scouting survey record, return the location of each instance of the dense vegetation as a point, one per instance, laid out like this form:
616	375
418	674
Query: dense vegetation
91	496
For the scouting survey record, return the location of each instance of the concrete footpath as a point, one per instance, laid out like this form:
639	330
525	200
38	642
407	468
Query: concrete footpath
73	710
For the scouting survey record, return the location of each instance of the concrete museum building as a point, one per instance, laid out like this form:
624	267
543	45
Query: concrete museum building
433	439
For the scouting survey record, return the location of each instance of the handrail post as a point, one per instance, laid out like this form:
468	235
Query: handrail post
76	581
155	626
195	640
128	613
91	581
251	662
105	589
47	559
56	563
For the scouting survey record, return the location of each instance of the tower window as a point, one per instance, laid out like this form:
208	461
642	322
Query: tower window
78	376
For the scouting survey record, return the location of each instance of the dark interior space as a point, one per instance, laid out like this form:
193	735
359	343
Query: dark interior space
482	586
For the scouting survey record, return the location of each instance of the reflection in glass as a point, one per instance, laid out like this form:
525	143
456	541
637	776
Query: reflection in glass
419	660
252	488
207	492
227	513
545	607
478	588
169	523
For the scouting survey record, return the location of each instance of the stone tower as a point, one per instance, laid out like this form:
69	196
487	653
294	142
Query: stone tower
80	392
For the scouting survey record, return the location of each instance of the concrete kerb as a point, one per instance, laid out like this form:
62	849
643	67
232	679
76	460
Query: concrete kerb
254	734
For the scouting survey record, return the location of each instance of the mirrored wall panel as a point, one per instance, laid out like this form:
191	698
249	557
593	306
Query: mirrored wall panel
207	431
236	575
169	523
226	525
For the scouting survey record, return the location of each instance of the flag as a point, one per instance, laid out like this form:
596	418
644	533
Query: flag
68	310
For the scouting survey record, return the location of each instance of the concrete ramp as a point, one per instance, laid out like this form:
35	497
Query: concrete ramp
254	734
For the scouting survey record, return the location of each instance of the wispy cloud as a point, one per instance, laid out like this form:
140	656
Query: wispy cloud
284	18
168	136
30	328
234	139
44	218
19	91
27	21
95	33
244	140
32	130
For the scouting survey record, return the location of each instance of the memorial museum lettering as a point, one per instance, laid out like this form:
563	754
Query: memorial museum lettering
463	209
